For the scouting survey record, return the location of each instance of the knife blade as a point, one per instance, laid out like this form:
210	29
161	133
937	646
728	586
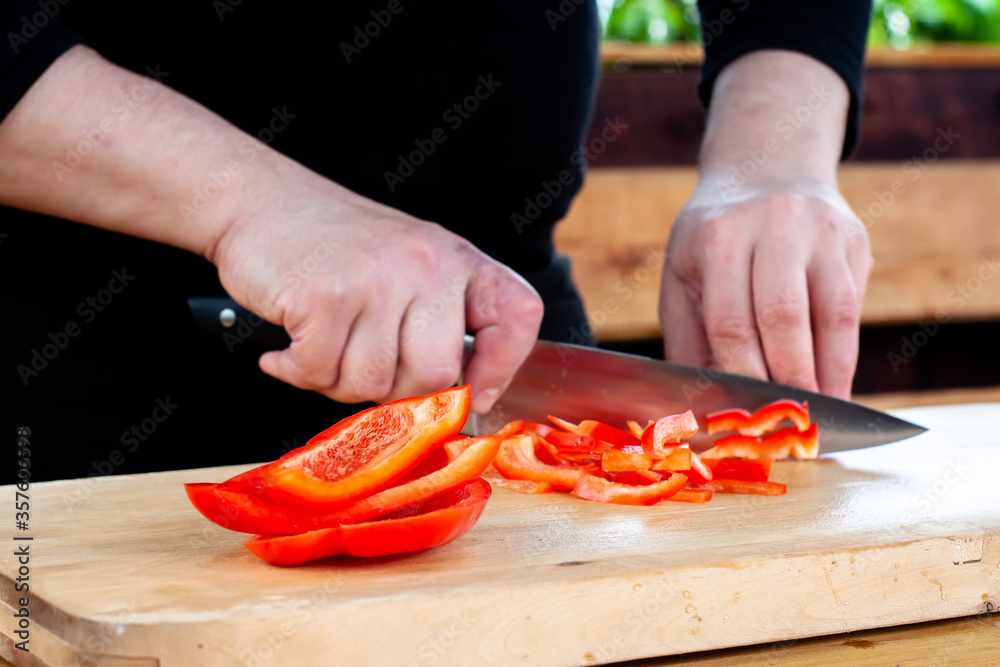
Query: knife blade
577	383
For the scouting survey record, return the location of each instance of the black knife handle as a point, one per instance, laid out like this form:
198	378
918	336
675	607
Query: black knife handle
221	318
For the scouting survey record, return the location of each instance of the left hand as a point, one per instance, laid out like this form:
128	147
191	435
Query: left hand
769	285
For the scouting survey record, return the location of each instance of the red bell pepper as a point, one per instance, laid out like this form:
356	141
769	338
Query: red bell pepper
614	460
577	442
756	470
516	459
519	485
689	495
361	454
786	442
633	477
254	513
763	421
742	486
429	524
667	431
591	487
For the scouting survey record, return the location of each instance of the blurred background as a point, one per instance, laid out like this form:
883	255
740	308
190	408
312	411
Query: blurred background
924	179
899	25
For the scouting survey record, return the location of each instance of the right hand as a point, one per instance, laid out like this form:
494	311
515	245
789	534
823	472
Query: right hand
376	302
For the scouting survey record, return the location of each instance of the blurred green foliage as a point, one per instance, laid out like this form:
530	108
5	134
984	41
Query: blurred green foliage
895	23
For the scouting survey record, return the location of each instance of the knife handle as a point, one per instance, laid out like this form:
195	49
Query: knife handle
217	318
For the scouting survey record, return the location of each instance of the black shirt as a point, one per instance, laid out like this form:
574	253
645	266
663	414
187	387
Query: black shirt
455	113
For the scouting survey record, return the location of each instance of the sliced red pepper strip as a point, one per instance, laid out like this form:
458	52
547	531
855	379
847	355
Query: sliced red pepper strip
591	487
674	458
614	460
763	421
634	428
756	470
252	513
699	472
516	459
512	428
432	524
569	427
541	430
786	442
363	453
609	434
577	442
667	431
688	495
726	420
519	485
743	486
631	477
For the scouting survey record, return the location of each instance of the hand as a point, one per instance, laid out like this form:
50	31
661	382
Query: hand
769	286
376	302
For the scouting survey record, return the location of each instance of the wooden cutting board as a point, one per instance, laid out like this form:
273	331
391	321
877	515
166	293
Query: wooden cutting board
124	572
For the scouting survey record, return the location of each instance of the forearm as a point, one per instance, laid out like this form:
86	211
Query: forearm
97	144
776	117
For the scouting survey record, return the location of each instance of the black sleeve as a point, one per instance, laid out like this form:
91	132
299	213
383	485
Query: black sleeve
33	38
831	31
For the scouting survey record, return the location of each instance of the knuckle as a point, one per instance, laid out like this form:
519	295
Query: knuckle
731	329
373	388
782	312
843	314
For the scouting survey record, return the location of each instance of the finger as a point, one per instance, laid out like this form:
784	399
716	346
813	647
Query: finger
430	344
727	305
781	306
312	360
369	363
684	338
504	312
836	317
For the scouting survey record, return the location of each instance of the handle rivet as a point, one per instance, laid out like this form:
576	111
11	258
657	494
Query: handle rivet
227	317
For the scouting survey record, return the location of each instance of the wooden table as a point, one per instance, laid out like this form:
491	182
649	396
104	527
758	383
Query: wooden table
134	576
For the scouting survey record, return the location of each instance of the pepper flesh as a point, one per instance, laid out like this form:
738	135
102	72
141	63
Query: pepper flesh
419	527
762	421
253	513
786	442
364	453
591	487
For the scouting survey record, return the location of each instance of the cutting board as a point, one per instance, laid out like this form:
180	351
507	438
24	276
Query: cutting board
124	572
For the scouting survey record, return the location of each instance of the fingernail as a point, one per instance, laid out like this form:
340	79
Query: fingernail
484	400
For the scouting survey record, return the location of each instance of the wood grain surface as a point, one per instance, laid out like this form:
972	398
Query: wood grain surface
126	572
936	244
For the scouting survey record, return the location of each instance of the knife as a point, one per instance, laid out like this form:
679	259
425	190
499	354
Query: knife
576	383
